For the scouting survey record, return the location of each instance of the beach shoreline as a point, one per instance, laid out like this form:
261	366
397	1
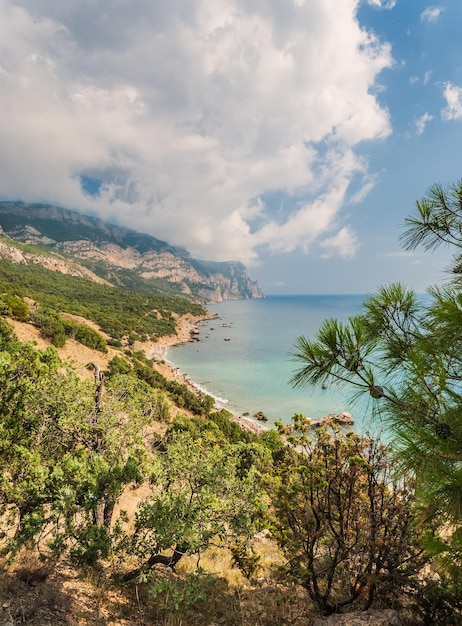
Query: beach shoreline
187	331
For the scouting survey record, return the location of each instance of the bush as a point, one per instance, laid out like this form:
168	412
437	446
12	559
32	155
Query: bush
16	306
85	335
51	326
232	431
119	365
342	520
92	544
5	310
6	332
56	329
178	596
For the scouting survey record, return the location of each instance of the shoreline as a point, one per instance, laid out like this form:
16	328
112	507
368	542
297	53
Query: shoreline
188	329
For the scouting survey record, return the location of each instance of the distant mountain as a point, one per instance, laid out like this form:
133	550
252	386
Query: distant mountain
87	246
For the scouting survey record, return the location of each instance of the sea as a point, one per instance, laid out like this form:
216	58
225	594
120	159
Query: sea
243	358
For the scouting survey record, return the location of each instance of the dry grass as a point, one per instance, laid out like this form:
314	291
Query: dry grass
34	593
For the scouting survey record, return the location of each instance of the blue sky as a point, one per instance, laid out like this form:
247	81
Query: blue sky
292	135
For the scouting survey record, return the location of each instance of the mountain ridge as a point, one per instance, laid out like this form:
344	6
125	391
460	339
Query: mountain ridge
122	256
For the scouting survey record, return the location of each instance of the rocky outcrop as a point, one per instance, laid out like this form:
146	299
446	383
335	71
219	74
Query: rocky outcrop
50	262
232	283
122	256
343	419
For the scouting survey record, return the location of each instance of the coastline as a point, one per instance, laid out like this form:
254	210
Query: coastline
187	330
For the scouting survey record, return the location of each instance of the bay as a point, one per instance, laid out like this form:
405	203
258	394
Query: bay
243	357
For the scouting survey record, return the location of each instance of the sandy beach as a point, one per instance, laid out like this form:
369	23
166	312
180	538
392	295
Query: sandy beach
187	328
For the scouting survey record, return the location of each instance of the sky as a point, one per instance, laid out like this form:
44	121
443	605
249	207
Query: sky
292	135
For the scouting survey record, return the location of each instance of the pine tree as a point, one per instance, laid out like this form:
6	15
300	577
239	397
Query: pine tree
406	353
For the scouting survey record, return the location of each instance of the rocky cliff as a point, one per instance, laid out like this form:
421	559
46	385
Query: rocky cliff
83	245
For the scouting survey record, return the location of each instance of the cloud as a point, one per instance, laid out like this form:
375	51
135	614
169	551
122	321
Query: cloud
422	121
344	243
453	96
400	254
382	4
426	78
187	117
431	14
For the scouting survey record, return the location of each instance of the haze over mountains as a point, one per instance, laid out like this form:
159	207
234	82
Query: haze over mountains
69	242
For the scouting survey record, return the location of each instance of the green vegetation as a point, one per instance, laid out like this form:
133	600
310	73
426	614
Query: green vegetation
118	312
57	330
70	447
179	393
202	497
354	523
14	306
406	354
343	520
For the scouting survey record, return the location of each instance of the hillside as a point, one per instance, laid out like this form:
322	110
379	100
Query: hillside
128	497
115	469
75	244
78	584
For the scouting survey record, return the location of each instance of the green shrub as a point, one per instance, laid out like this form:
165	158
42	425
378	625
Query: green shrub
93	543
4	308
182	596
119	365
17	306
85	335
6	332
232	431
51	326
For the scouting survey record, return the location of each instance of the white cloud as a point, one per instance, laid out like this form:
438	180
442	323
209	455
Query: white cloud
382	4
431	14
344	243
400	254
191	114
426	78
453	96
422	121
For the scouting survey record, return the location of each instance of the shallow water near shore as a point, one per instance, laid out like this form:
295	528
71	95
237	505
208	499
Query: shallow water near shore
243	357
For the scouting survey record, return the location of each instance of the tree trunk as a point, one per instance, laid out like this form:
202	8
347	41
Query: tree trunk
168	561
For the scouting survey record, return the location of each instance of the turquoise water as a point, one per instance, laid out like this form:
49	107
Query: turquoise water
243	358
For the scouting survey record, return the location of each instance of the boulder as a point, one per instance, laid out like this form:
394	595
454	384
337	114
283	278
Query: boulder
344	419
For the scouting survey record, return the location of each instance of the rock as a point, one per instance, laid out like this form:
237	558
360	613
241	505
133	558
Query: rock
260	416
344	419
